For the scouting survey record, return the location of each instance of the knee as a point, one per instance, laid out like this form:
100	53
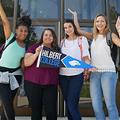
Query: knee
111	107
71	105
97	108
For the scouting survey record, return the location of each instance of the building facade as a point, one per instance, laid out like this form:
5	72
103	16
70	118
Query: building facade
51	13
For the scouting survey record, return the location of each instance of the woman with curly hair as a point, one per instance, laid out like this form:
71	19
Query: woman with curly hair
10	62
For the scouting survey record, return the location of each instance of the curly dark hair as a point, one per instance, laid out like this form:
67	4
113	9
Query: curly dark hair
24	21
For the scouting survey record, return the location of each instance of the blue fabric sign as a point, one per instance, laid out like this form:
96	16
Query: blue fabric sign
51	58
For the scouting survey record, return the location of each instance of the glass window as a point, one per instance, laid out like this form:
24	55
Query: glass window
8	6
35	34
114	9
41	8
37	31
86	9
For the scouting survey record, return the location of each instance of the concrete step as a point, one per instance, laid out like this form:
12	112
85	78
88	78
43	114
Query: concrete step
59	118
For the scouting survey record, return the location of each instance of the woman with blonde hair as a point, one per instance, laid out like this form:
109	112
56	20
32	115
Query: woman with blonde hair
103	79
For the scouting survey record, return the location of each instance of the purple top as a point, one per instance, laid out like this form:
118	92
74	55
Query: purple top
41	75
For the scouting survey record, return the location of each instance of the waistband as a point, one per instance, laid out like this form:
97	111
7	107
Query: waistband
4	69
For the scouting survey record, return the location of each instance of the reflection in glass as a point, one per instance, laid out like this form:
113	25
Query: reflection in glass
86	9
8	6
35	34
114	9
39	29
41	8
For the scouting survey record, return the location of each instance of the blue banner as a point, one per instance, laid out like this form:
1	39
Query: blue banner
51	58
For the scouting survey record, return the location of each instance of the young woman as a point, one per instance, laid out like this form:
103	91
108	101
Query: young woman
71	79
103	79
41	83
10	63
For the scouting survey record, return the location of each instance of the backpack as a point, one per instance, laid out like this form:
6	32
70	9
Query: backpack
3	47
114	50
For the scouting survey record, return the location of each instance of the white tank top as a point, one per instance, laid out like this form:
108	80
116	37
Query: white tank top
101	55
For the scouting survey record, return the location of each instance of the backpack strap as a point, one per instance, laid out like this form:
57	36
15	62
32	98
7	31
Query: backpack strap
114	49
80	45
109	39
11	41
3	47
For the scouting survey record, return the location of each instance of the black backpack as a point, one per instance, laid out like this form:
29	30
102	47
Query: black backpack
3	47
114	50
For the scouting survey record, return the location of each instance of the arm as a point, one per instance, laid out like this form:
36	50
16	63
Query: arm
30	58
86	71
5	22
88	35
116	39
117	25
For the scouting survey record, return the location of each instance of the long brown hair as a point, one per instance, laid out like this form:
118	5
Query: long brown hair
75	29
95	30
54	44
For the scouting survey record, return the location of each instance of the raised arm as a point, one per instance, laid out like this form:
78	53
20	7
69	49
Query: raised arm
118	25
115	38
88	35
5	22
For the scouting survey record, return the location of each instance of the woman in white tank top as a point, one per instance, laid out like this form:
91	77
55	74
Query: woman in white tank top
103	79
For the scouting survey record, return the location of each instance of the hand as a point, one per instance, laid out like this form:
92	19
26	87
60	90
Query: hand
86	74
74	13
117	25
38	49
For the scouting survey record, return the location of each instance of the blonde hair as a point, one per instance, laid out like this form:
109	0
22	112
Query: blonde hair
95	30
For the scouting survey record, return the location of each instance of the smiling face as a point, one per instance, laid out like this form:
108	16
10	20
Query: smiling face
47	38
100	24
21	33
68	28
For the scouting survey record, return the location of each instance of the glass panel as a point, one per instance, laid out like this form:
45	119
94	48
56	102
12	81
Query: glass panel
8	5
88	29
0	102
114	9
39	29
41	8
86	9
85	92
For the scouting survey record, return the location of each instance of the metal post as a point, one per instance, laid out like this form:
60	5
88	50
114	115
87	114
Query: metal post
108	13
61	101
15	14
